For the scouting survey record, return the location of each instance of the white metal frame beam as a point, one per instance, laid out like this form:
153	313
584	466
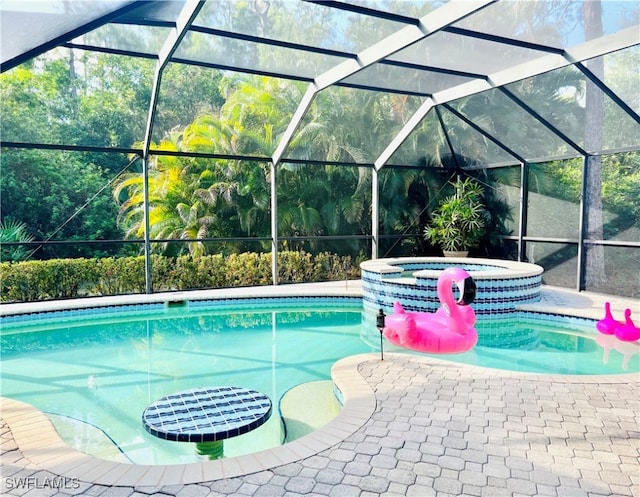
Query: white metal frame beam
595	48
186	17
427	25
188	13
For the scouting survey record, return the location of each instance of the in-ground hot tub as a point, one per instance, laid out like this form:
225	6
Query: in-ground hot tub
502	285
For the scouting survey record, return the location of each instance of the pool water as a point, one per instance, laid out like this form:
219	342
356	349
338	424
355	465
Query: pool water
541	345
96	376
95	372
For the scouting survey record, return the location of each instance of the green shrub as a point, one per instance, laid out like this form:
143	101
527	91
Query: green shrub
297	267
32	281
207	271
248	269
21	281
163	273
119	276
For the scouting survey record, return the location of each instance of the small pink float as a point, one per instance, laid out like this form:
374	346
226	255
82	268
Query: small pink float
627	331
608	324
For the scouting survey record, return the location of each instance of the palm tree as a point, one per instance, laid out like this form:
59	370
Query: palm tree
176	210
13	231
192	197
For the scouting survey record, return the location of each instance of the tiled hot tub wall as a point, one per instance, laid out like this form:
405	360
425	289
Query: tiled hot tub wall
501	284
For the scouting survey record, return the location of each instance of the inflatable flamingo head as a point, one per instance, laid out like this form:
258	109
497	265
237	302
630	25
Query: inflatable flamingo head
464	282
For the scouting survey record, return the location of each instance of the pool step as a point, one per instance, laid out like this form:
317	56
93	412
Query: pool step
306	407
87	438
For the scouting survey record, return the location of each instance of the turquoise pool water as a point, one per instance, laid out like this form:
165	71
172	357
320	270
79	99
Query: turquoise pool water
95	371
549	344
98	372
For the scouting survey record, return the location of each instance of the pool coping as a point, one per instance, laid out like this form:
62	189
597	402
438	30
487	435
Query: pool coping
40	444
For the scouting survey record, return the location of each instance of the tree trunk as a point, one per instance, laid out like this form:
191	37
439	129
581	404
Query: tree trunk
72	75
594	119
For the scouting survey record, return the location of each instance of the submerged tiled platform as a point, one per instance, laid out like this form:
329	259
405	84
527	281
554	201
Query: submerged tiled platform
411	426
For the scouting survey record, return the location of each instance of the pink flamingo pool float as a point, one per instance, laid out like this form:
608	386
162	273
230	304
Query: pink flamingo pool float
608	324
627	331
450	330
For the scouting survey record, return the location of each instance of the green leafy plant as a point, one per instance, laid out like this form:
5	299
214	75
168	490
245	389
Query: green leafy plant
32	281
12	231
460	220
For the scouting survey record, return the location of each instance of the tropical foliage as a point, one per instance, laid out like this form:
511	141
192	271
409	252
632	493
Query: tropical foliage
460	220
12	231
198	198
67	195
204	204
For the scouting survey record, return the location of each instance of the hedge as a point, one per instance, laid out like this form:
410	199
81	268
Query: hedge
33	281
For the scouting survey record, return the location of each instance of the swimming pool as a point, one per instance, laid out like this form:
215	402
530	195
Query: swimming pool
95	371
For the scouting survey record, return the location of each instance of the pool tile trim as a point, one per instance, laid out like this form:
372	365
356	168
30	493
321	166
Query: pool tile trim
231	302
501	285
339	290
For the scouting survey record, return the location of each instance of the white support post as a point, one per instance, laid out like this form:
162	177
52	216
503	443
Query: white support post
274	225
147	243
375	213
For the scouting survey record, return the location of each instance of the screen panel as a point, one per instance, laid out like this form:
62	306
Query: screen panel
425	145
553	210
613	270
306	23
561	98
500	116
620	73
350	125
559	260
613	198
556	24
465	54
77	98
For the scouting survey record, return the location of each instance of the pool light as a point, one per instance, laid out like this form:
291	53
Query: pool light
380	324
